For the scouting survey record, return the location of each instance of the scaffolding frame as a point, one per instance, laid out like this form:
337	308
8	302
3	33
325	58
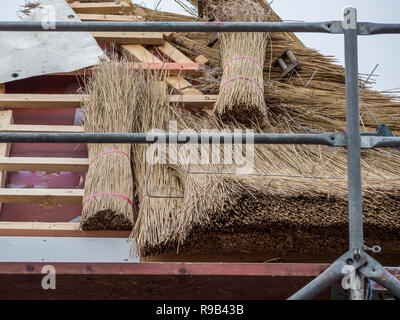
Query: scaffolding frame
357	259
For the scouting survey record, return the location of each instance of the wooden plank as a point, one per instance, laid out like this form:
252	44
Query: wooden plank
6	118
109	17
40	128
154	38
44	164
41	100
173	53
172	68
183	69
182	85
137	52
75	101
101	8
178	83
2	88
195	101
55	229
48	197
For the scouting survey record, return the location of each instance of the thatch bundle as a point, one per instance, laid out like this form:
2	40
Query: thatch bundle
241	93
108	191
158	187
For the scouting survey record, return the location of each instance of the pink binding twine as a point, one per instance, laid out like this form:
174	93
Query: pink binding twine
107	194
245	78
243	57
110	151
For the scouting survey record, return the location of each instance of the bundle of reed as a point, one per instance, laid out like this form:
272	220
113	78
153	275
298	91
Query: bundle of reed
241	94
206	193
108	191
158	187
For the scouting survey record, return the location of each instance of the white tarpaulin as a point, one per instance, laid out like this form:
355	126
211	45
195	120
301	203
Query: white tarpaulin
29	54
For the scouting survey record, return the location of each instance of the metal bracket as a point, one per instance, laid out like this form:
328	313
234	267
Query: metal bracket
334	273
374	249
362	263
374	271
287	70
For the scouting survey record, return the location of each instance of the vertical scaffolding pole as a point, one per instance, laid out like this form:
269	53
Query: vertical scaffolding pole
354	145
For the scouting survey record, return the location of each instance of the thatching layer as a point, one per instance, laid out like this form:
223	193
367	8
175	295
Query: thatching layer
300	204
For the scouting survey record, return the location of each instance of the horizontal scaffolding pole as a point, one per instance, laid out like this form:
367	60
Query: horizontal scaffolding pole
379	142
322	27
329	139
366	28
334	27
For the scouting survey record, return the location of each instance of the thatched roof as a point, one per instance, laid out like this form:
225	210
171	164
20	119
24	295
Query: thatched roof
289	213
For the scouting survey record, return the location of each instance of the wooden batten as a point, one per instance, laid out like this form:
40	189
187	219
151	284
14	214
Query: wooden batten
41	100
173	53
101	7
15	164
149	38
48	197
40	128
110	17
182	86
138	53
177	82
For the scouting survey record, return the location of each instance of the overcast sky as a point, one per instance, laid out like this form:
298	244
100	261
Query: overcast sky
382	49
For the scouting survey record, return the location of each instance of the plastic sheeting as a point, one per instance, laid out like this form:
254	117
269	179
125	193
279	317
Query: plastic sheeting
29	54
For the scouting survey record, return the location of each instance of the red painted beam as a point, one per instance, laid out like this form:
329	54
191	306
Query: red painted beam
145	281
163	268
